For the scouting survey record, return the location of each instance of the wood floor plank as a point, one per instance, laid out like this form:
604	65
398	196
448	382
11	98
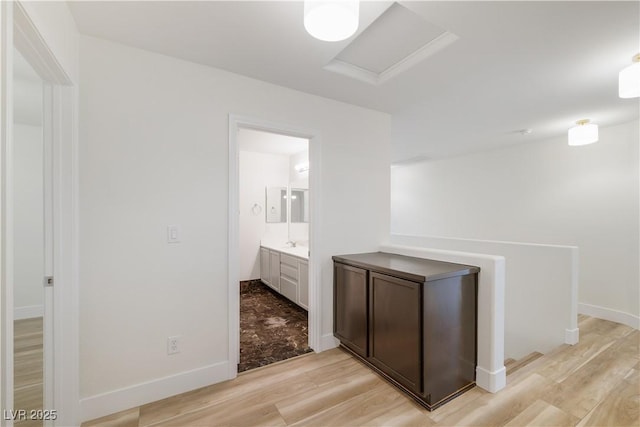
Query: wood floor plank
28	366
500	408
327	396
594	382
582	391
542	414
326	374
128	418
407	413
564	364
227	402
519	364
243	384
619	408
359	410
260	415
603	327
460	403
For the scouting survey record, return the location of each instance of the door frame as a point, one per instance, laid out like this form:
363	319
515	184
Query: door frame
237	122
61	144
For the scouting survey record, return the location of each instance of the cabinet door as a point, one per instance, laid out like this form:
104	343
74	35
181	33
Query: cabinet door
303	284
274	261
264	266
289	288
350	307
395	327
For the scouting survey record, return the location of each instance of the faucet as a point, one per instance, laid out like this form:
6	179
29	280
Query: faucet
291	244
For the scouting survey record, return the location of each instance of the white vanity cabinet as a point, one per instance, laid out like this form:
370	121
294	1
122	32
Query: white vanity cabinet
303	284
270	268
265	270
274	270
287	274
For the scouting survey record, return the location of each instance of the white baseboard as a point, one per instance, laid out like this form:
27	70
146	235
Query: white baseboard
28	312
327	342
136	395
609	314
571	336
491	381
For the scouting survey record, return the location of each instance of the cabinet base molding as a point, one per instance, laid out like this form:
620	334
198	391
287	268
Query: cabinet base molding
426	403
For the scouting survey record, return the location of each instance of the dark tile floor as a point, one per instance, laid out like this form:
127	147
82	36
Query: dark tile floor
272	328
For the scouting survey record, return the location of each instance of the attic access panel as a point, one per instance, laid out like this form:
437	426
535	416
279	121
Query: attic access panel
393	43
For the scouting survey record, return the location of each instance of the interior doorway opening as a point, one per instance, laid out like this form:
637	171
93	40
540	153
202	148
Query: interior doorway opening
315	305
29	226
273	247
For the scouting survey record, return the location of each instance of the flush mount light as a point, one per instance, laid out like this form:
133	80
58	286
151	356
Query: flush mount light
629	80
331	21
583	133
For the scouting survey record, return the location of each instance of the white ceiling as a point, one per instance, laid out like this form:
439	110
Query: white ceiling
539	65
271	143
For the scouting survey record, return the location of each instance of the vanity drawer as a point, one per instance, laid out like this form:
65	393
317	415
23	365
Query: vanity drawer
289	260
288	288
290	272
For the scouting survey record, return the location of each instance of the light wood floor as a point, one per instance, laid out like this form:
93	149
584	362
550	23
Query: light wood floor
594	383
28	367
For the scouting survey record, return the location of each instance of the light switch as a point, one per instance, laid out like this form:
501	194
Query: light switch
173	234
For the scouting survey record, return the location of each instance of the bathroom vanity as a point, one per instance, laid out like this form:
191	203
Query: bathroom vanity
412	320
286	271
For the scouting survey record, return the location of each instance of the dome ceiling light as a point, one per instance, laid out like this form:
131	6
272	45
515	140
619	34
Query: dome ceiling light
331	21
583	133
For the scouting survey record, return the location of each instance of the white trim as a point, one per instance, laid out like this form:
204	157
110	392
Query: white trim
315	202
6	208
571	336
573	297
491	293
28	312
151	391
492	381
609	314
327	342
502	242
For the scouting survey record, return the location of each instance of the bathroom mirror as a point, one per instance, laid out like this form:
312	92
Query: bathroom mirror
299	205
276	203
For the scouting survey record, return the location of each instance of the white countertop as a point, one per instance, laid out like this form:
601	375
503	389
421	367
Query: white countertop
298	251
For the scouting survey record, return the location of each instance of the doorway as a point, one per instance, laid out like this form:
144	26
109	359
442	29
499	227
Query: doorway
29	251
59	389
236	125
273	247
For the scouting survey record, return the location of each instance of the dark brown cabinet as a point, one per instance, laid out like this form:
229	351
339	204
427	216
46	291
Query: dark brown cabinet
413	320
350	307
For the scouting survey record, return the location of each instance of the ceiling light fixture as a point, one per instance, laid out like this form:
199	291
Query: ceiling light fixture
331	21
629	79
583	133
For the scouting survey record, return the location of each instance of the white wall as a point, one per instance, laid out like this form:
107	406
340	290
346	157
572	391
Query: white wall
257	171
28	222
299	231
543	192
154	151
538	278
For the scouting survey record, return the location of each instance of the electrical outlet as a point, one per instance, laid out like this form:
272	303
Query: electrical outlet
173	345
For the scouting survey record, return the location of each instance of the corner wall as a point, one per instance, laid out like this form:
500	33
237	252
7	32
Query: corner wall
543	193
154	152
